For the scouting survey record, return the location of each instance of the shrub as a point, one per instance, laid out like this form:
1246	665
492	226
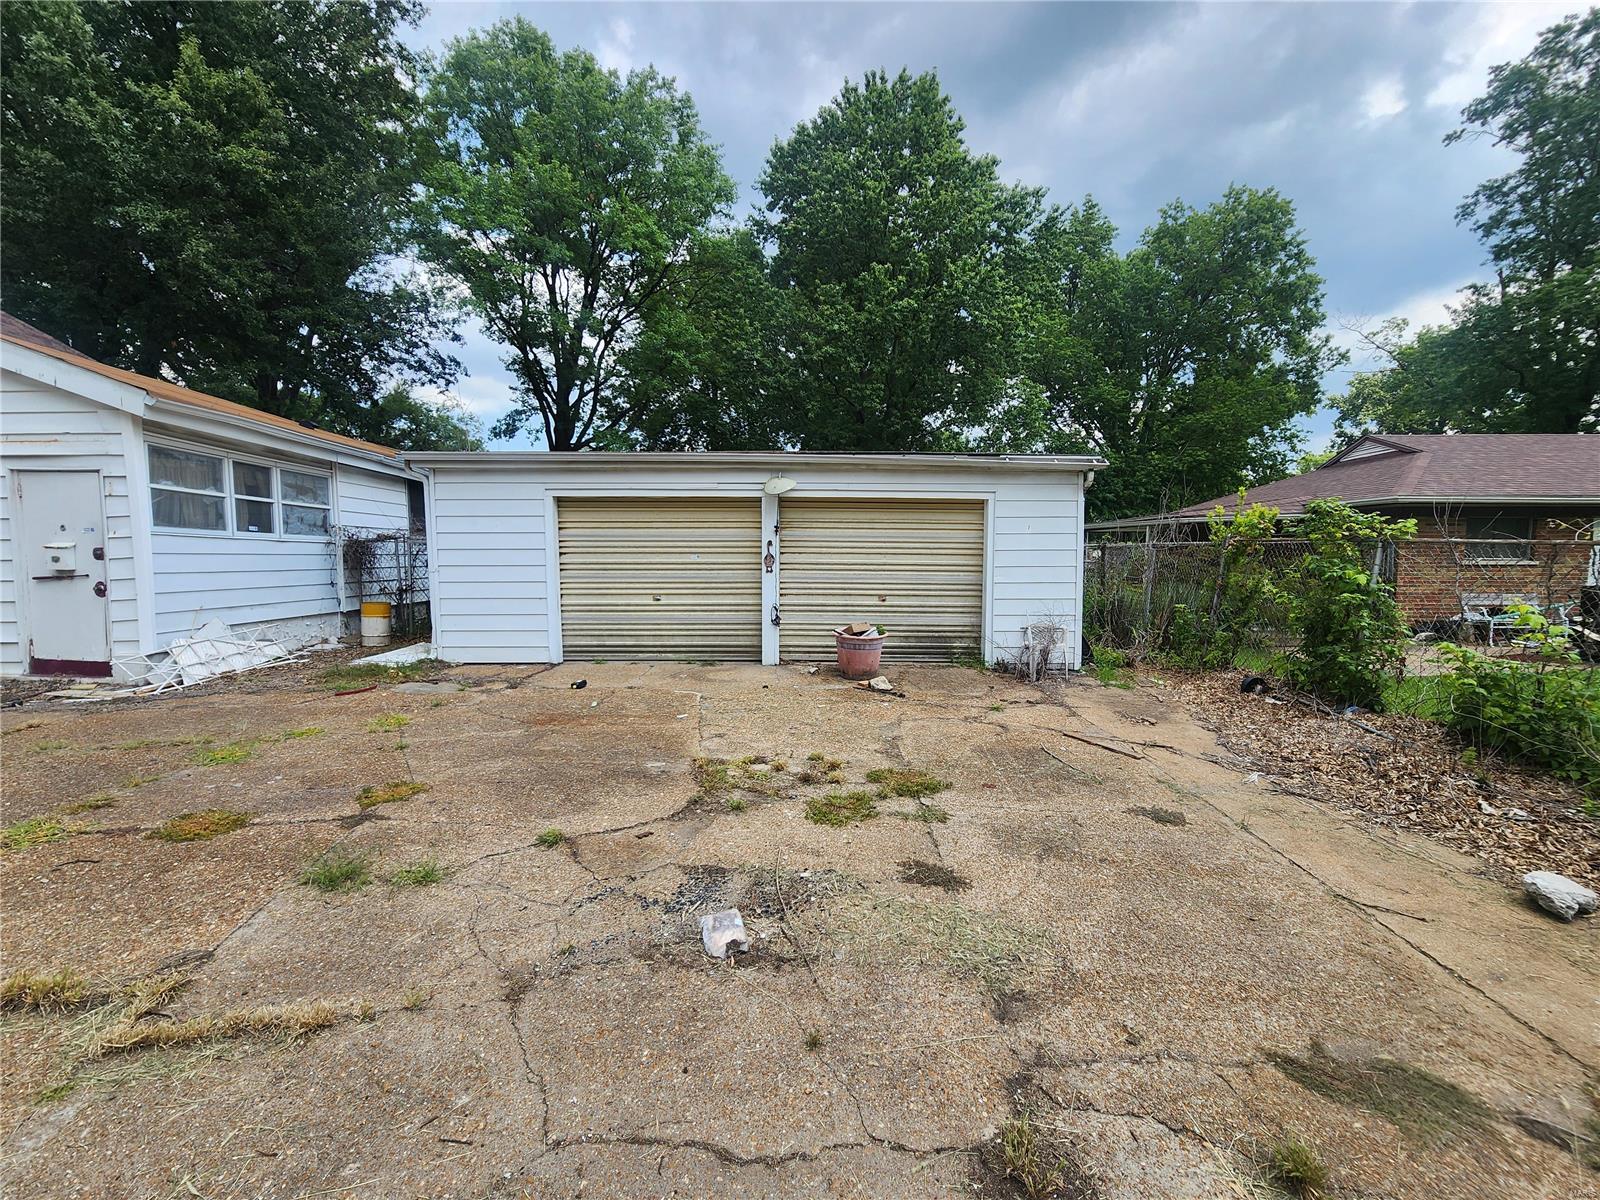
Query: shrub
1546	713
1350	632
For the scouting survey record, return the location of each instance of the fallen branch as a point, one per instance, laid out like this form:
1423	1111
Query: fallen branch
1089	741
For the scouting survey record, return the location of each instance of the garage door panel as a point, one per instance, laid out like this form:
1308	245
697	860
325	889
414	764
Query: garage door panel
660	578
913	566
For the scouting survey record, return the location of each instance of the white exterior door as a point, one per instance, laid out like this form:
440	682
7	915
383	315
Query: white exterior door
62	541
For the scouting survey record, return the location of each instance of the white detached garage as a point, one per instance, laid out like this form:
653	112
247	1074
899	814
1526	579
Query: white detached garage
750	557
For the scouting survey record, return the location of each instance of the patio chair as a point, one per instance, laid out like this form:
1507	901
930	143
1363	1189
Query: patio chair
1487	610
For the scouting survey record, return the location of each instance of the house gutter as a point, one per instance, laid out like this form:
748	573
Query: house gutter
626	460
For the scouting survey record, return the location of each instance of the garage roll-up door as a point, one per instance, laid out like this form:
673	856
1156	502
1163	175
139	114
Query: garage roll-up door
654	577
913	566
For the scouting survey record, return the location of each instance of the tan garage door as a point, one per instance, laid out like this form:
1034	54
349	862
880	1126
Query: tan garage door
660	578
913	566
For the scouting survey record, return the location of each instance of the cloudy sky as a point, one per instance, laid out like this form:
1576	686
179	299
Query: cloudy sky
1340	106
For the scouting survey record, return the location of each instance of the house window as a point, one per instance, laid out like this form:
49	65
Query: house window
307	502
1499	539
187	490
253	507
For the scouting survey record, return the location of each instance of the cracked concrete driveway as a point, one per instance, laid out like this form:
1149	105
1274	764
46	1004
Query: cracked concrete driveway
1141	950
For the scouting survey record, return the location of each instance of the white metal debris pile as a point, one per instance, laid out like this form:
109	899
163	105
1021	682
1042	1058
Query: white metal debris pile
212	651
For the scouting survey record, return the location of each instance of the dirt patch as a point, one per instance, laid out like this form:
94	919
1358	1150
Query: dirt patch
934	875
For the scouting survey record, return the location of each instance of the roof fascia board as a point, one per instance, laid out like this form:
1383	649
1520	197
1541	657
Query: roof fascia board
79	381
624	461
226	427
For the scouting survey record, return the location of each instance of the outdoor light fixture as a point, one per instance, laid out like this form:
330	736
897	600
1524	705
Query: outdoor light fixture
778	485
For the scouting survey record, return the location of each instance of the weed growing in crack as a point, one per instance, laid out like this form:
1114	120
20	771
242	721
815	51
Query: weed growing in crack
737	804
92	804
388	723
550	839
338	871
930	814
1039	1171
820	768
389	793
842	808
200	826
415	999
813	1040
34	831
906	782
421	873
1295	1167
219	756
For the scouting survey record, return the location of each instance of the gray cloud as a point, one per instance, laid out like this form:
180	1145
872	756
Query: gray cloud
1342	107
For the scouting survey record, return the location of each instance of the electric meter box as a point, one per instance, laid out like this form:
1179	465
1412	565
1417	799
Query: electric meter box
62	557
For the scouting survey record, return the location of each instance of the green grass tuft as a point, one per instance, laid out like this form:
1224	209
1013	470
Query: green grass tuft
1295	1167
338	871
388	793
92	804
842	808
201	826
906	782
930	814
356	675
35	831
387	723
550	838
421	873
217	756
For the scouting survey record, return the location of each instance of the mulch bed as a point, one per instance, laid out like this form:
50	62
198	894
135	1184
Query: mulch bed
1406	775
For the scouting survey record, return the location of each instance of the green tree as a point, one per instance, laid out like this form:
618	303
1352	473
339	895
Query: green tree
705	370
1184	361
897	249
562	200
1521	354
213	192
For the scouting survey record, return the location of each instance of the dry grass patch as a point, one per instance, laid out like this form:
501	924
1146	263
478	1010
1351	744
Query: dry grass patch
389	793
270	1020
201	826
756	774
928	814
34	831
842	808
1161	816
45	991
1422	1105
819	768
1035	1166
928	874
998	953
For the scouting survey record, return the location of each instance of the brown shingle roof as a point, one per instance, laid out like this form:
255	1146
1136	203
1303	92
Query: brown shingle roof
20	332
1432	468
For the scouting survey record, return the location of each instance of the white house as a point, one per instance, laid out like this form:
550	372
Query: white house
539	557
133	511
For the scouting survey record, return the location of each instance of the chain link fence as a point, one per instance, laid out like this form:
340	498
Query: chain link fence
1135	592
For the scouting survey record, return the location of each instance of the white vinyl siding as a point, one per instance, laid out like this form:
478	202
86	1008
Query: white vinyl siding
496	588
370	501
488	549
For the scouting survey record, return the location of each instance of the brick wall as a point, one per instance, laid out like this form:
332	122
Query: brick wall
1433	572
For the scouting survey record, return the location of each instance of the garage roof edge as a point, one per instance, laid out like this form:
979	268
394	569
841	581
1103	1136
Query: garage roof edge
622	460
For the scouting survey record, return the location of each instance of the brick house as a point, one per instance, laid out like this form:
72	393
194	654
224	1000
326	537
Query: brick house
1499	517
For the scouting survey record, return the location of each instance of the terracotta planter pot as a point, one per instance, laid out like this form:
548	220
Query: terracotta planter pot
859	654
